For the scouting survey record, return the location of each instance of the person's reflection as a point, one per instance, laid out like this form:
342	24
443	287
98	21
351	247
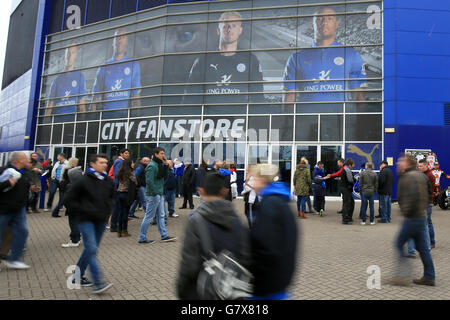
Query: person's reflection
67	89
116	79
327	66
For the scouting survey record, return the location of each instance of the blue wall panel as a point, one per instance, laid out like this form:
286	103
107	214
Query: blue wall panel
438	5
423	43
420	113
423	21
420	66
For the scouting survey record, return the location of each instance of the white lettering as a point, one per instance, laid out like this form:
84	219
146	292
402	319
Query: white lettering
151	130
141	129
105	126
374	281
74	17
128	127
238	128
222	126
179	129
118	129
166	128
374	21
210	124
193	123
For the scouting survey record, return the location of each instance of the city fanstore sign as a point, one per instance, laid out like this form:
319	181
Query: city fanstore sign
173	129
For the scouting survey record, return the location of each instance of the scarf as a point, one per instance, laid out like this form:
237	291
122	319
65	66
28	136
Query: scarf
160	164
100	176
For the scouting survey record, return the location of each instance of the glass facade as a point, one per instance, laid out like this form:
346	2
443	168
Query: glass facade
247	81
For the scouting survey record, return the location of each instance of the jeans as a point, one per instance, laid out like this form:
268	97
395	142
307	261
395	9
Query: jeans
140	200
429	230
385	206
308	202
367	198
92	235
155	208
414	229
55	212
123	213
17	221
74	230
116	211
170	198
54	185
301	203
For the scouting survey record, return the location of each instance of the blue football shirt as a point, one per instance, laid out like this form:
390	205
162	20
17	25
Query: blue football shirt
65	87
323	65
115	77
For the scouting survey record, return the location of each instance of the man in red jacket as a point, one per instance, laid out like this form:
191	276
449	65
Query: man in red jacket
337	175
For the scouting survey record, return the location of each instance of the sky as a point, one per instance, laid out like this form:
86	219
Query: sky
4	25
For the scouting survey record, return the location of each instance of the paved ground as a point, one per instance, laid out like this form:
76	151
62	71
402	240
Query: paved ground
332	263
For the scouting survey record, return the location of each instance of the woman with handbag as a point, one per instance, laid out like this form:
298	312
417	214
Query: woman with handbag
126	190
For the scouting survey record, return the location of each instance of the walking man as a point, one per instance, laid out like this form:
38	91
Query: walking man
91	199
385	183
155	173
57	177
414	195
13	201
368	184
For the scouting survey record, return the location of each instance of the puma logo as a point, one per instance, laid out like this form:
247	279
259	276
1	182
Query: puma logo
356	150
214	66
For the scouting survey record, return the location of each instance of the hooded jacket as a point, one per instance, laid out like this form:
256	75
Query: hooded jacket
318	182
273	240
226	232
302	180
91	199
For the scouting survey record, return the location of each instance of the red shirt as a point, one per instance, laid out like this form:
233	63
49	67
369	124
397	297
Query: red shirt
337	174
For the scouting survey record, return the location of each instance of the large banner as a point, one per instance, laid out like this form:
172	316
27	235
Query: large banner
323	57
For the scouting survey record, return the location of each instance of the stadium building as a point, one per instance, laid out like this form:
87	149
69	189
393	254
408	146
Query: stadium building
251	81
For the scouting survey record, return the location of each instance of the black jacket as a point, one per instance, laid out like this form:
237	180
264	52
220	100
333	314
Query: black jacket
170	183
200	176
91	199
16	198
347	181
188	176
385	181
141	177
273	245
226	232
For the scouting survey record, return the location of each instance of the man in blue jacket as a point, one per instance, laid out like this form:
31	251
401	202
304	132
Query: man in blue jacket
170	186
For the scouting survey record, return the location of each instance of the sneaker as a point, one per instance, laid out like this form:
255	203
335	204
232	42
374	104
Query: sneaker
102	288
168	239
46	210
84	282
363	223
70	244
372	223
321	213
175	215
19	265
147	241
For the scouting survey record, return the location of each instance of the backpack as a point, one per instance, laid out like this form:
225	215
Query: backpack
221	277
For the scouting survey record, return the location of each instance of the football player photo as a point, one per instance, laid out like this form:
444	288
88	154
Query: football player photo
331	68
114	81
67	90
228	72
